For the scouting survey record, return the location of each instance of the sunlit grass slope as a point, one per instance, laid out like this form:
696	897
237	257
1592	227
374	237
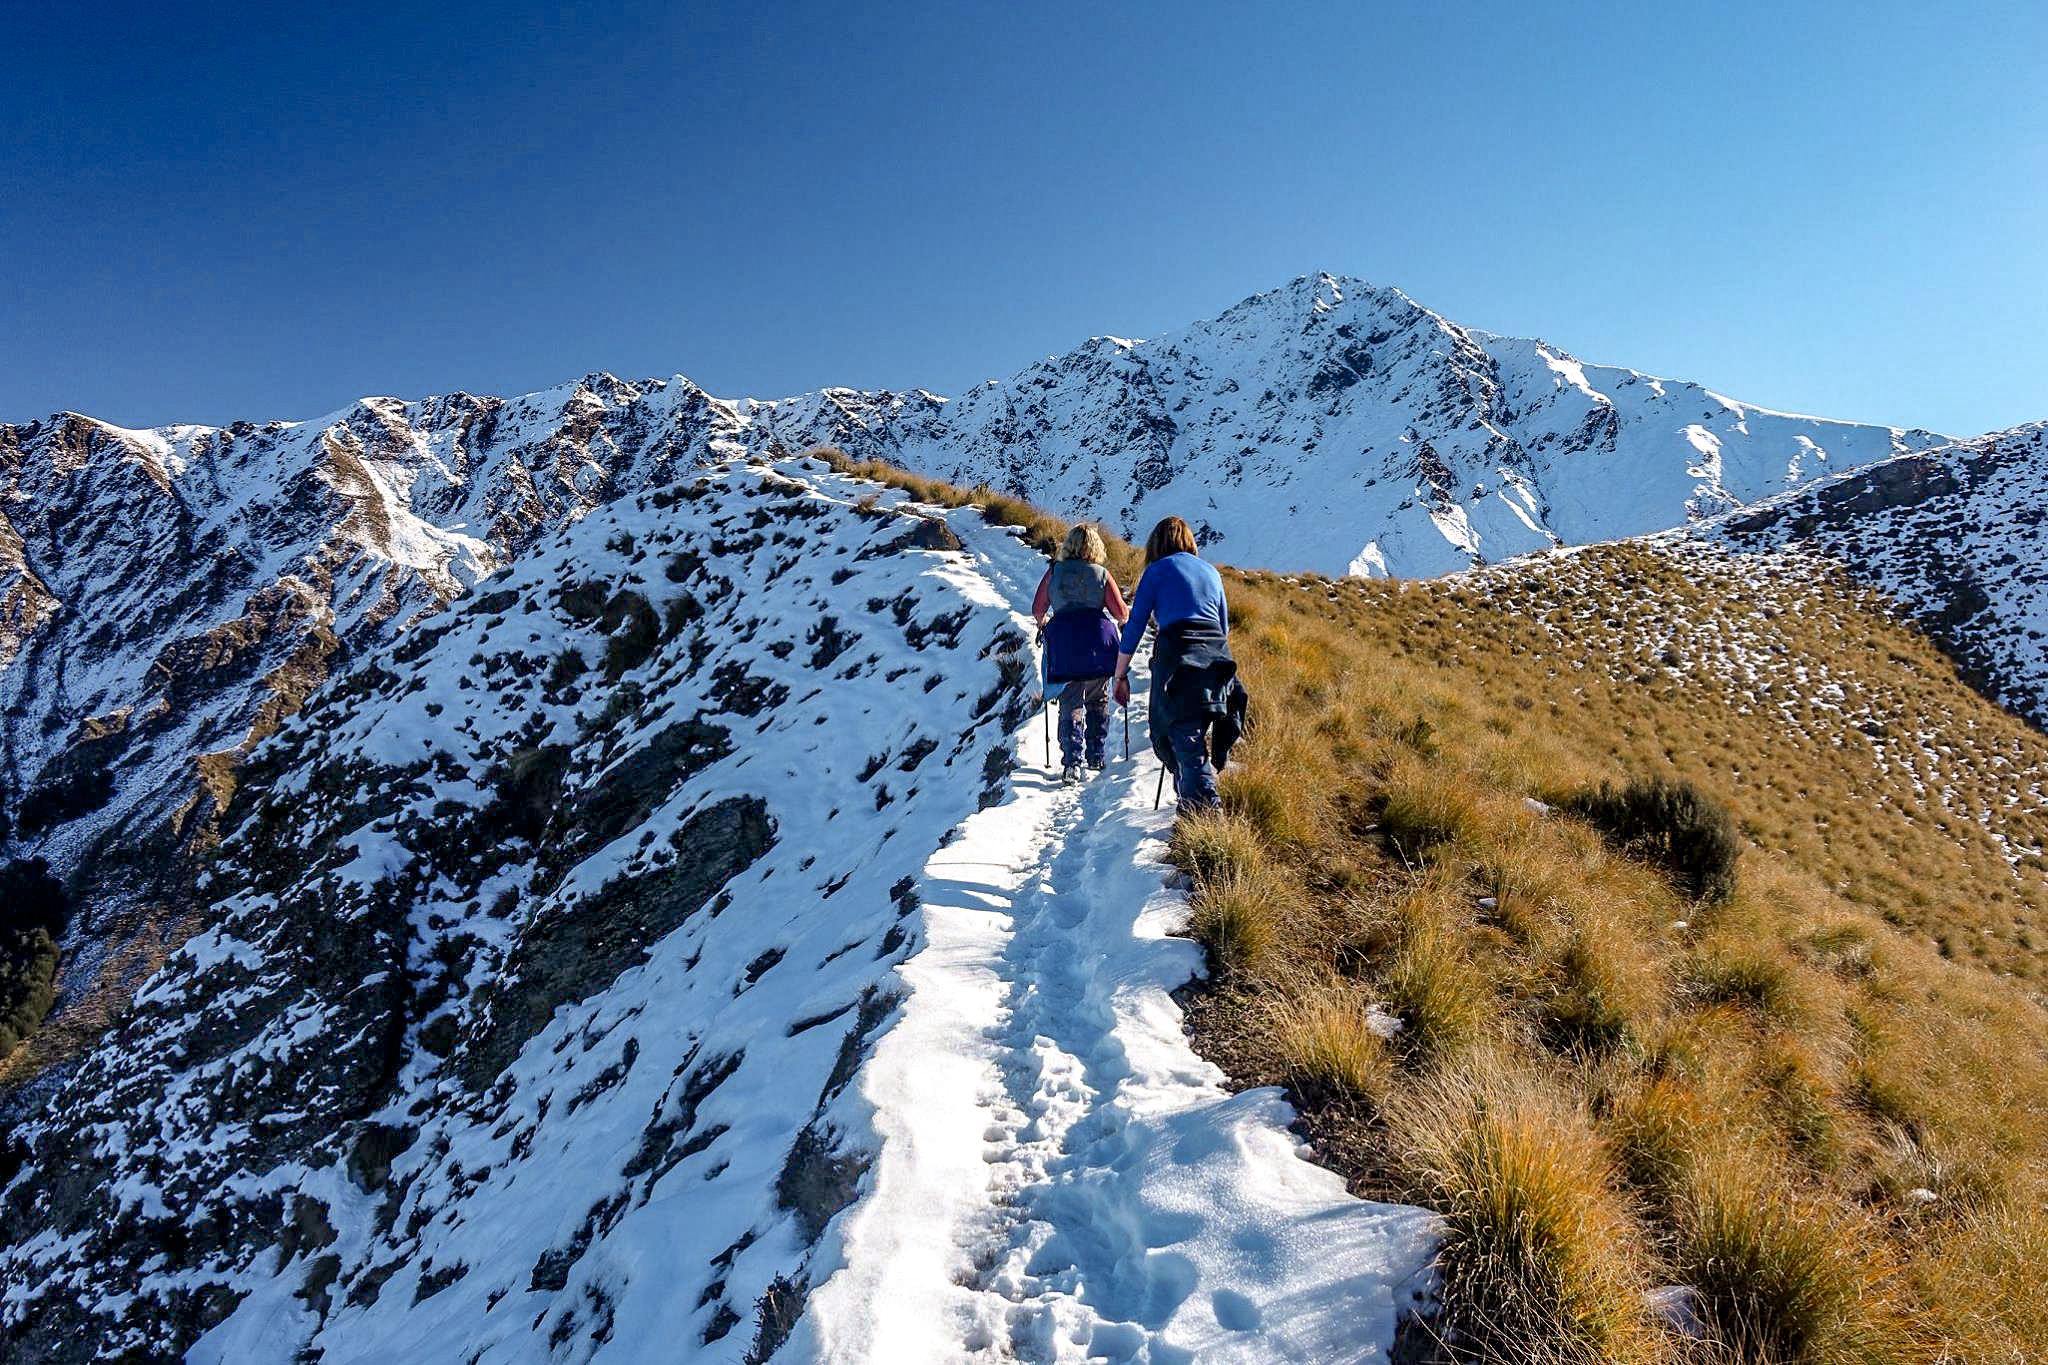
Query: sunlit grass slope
1804	1121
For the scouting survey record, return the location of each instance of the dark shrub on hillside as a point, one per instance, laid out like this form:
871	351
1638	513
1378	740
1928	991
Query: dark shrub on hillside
31	897
1673	824
634	631
529	789
33	913
28	984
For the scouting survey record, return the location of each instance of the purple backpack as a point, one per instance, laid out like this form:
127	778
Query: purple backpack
1079	645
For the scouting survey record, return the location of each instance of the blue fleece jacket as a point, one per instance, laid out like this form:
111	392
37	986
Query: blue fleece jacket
1178	588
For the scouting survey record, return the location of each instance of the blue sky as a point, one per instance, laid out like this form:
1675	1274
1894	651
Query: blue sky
216	212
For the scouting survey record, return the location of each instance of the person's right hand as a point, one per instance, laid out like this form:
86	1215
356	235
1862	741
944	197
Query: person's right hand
1123	691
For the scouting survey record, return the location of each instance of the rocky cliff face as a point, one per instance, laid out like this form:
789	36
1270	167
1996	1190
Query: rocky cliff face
1958	536
168	597
540	950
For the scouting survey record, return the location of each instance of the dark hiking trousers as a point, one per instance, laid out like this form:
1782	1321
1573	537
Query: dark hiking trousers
1194	778
1087	699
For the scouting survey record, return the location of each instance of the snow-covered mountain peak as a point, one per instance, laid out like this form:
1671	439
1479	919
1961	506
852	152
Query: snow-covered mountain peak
1337	425
1302	307
197	582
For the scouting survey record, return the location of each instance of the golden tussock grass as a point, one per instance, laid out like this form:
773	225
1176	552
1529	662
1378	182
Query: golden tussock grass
1329	1048
1784	1277
1242	915
1538	1256
1428	985
1986	1302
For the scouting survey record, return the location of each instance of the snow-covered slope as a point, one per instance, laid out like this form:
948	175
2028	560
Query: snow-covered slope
167	596
549	949
551	946
1334	426
625	741
1957	536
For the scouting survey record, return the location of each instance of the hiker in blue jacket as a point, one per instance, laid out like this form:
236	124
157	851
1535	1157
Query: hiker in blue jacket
1079	607
1197	704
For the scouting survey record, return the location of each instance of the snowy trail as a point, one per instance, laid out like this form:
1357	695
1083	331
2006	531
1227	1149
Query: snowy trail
1060	1177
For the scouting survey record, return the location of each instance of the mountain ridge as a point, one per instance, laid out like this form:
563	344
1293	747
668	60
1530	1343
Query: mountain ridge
168	595
1956	536
1528	374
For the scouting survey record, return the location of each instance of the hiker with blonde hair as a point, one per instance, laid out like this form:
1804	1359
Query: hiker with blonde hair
1079	606
1197	706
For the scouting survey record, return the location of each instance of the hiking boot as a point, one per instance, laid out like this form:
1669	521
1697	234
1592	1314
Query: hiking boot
1098	764
1071	773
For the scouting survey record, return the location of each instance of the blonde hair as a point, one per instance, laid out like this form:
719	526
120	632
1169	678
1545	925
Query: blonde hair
1084	543
1169	537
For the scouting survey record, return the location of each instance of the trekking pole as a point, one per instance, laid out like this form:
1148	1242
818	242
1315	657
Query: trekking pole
1045	691
1127	732
1159	790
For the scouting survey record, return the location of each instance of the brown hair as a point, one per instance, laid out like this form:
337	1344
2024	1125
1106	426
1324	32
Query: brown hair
1169	537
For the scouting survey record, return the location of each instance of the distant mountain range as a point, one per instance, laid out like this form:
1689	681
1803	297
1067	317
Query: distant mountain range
168	595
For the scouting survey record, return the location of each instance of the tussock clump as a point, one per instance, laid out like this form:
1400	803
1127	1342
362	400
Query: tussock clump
1751	977
1423	810
1240	916
1782	1278
1329	1048
1986	1300
1270	802
1538	1247
1846	949
1207	846
1516	864
1433	988
1657	1129
1603	994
